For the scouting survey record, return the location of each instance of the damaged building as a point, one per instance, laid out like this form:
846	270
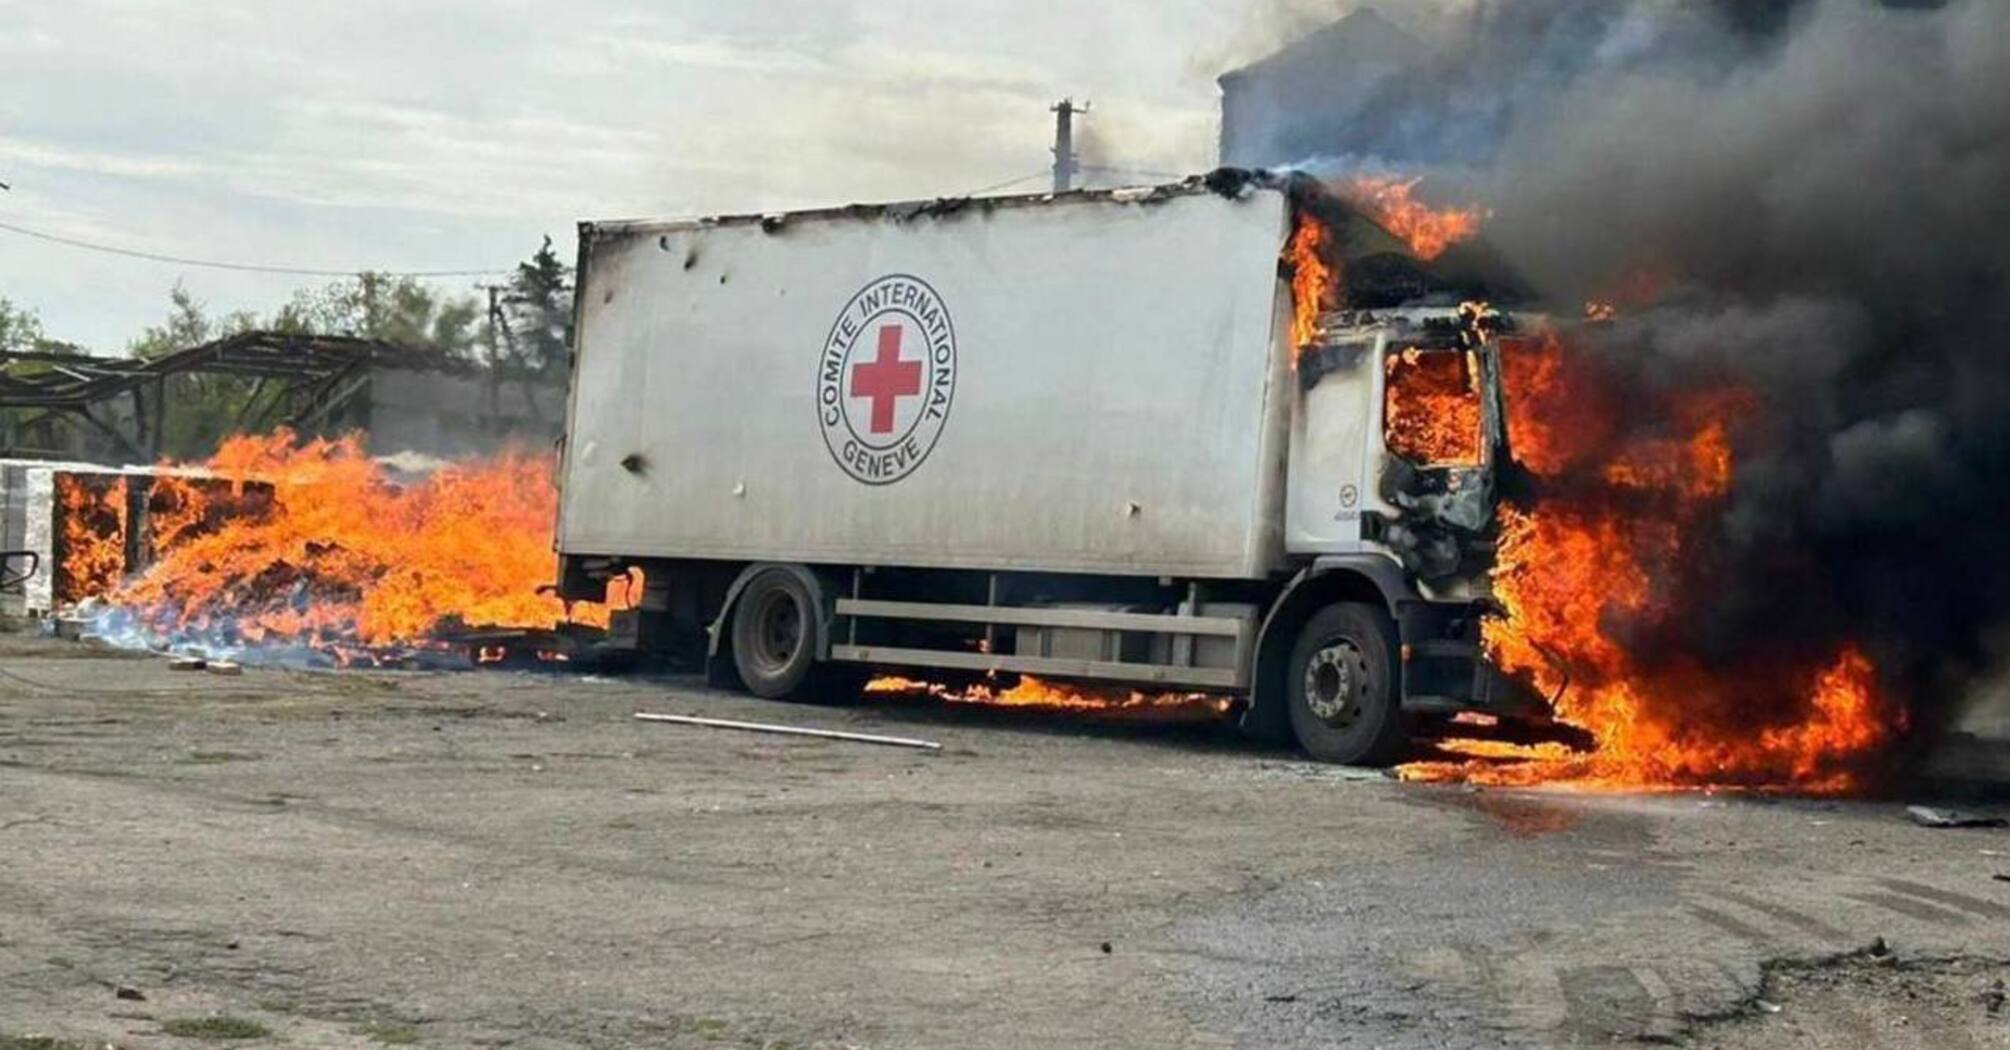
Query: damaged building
408	400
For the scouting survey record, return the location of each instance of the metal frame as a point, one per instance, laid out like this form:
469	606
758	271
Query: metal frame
309	378
1156	674
1222	627
1183	628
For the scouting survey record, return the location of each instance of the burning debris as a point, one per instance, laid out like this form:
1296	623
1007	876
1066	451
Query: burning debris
315	547
89	528
94	525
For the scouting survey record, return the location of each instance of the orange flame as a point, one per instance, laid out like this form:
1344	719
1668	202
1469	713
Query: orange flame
1031	692
94	535
1315	286
314	543
1430	232
177	508
1588	568
1432	407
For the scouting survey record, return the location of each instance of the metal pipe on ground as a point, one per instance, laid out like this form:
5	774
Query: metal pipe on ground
781	730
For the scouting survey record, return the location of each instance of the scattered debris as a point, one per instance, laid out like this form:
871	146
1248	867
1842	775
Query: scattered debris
187	663
1766	1007
763	727
2002	876
129	993
1933	817
1107	948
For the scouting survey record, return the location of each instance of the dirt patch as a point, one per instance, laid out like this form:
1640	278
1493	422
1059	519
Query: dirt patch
1874	999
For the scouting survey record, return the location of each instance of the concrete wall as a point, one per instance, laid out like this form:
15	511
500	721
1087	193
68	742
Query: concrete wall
13	527
452	415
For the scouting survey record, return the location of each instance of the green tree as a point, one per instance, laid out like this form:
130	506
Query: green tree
188	324
538	315
204	409
19	329
399	310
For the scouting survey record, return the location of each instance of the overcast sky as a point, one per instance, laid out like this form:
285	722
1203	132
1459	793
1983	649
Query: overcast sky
451	134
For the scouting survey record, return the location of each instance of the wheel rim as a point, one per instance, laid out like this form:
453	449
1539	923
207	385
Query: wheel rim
778	632
1336	679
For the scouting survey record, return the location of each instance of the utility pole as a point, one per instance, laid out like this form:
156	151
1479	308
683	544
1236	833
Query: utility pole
1065	166
496	322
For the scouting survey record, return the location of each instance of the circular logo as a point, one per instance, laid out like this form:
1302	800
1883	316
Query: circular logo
886	379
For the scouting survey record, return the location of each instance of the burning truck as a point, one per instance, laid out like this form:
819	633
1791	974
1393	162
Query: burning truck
1140	438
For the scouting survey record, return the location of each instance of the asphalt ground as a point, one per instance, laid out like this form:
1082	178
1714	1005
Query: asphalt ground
320	859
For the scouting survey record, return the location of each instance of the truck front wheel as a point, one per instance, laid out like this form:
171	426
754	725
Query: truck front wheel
775	628
1341	687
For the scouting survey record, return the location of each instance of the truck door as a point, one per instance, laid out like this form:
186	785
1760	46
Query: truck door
1334	419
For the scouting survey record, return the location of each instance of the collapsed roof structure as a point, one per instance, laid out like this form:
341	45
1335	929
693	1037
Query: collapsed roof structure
440	405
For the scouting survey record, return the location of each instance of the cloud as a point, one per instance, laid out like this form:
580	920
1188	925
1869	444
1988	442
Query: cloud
456	133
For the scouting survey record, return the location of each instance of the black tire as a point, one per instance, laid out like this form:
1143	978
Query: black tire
1341	689
775	626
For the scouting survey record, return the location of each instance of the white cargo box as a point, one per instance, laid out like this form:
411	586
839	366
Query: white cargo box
1094	382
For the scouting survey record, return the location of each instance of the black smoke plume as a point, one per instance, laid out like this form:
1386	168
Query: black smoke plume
1817	195
1829	213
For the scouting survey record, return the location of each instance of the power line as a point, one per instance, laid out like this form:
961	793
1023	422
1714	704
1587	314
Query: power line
1041	174
1147	173
291	271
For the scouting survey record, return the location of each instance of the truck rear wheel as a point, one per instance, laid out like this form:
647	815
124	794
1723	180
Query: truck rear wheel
775	626
1341	687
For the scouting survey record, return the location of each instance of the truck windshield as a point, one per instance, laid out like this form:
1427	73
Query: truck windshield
1432	409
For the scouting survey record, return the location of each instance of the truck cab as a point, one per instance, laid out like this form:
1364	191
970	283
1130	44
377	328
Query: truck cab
1398	441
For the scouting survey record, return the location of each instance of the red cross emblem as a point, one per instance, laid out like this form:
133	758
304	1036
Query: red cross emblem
881	414
886	379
